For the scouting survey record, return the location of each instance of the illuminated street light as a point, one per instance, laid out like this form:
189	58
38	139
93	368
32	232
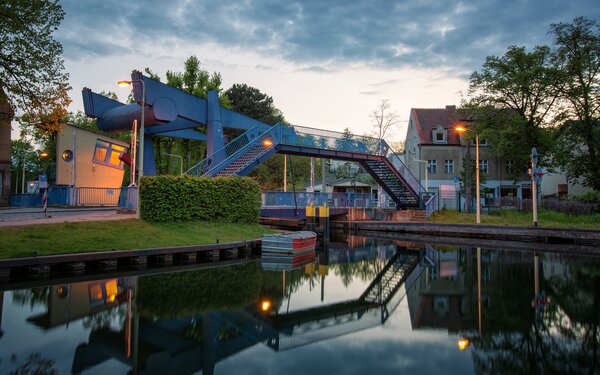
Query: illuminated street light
141	157
461	129
267	142
265	305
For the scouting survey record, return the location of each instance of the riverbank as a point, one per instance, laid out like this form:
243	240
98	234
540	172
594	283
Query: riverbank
546	219
75	237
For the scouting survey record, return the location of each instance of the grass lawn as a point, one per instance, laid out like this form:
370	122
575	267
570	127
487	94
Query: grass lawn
65	238
510	217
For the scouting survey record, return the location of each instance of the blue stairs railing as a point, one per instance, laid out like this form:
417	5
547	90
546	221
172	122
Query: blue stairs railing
248	150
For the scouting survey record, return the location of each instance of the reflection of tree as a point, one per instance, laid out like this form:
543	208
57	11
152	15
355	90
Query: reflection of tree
563	339
33	297
365	269
35	365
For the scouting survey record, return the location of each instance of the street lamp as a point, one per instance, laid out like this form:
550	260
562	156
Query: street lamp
461	129
426	168
180	161
141	157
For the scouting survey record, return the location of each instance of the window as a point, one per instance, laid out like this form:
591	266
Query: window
449	166
483	166
509	166
108	154
438	135
431	166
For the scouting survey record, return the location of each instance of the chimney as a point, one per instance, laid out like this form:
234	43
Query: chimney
450	107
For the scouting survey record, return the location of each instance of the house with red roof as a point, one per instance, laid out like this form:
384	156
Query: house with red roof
435	153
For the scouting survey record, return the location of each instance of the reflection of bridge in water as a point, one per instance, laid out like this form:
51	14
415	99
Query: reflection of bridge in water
190	344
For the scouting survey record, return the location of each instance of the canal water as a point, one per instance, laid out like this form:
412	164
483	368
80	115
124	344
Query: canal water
365	306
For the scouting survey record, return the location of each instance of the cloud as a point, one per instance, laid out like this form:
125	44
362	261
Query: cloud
385	83
369	92
418	34
314	69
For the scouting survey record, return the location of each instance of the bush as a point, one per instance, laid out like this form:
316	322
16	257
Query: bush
185	198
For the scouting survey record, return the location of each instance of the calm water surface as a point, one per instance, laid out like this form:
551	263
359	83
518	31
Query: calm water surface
365	306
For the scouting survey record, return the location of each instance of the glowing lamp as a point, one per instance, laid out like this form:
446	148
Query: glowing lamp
43	154
265	305
124	83
267	143
463	344
460	129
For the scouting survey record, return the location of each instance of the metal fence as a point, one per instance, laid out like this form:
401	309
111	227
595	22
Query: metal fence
277	199
123	197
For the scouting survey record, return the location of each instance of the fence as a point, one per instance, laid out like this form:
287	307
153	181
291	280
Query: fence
276	199
123	197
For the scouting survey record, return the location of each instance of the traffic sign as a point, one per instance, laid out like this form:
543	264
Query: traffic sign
534	157
43	182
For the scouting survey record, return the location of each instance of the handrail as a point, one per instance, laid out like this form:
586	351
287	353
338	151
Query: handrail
430	206
272	132
228	150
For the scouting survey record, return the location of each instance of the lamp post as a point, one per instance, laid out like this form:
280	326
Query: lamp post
426	167
180	161
461	129
141	153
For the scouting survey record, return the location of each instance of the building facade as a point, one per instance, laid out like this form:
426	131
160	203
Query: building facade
436	154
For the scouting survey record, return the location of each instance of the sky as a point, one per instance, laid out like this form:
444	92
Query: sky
327	64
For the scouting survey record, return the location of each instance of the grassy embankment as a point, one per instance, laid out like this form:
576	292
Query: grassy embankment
66	238
546	219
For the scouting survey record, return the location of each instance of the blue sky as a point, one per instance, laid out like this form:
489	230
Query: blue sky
327	64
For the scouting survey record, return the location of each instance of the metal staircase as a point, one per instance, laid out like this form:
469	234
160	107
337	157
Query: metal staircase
391	277
393	184
250	149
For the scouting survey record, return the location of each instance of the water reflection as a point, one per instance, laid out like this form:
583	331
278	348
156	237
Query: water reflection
422	307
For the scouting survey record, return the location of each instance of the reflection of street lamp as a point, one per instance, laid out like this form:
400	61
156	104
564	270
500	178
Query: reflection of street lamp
141	157
461	129
180	161
426	168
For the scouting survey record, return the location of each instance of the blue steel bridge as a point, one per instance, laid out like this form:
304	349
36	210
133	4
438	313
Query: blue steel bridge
170	112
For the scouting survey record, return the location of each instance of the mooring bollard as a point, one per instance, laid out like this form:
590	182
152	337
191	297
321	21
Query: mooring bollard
311	213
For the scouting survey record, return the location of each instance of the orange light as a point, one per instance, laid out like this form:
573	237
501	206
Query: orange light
265	305
267	142
44	154
463	344
124	83
460	129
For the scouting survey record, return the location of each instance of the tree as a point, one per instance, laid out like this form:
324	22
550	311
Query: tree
253	103
25	161
513	100
383	119
32	73
577	55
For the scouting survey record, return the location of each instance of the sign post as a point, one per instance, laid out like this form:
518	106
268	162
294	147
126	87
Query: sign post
43	185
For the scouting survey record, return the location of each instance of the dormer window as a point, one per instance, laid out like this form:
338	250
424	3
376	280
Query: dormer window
439	135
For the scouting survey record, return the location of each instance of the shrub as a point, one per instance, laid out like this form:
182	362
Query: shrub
185	198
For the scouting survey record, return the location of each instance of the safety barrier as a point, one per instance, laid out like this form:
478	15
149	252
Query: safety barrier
277	199
124	197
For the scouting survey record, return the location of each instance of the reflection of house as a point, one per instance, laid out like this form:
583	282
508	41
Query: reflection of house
85	159
433	144
74	301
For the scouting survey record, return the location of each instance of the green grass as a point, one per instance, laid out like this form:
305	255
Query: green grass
67	238
510	217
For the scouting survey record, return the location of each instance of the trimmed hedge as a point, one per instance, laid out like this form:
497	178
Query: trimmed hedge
185	198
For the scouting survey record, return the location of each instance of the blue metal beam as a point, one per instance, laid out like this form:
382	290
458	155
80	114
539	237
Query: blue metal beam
185	134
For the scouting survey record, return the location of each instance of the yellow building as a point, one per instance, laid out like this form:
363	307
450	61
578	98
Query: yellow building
91	163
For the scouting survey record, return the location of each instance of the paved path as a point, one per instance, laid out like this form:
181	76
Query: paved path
35	215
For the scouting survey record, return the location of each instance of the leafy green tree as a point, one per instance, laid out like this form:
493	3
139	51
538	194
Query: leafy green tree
24	160
32	73
577	55
253	103
513	100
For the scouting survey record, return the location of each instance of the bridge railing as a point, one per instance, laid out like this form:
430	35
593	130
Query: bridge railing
278	199
330	140
224	153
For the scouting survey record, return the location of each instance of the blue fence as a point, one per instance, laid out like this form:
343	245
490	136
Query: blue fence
274	199
124	197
